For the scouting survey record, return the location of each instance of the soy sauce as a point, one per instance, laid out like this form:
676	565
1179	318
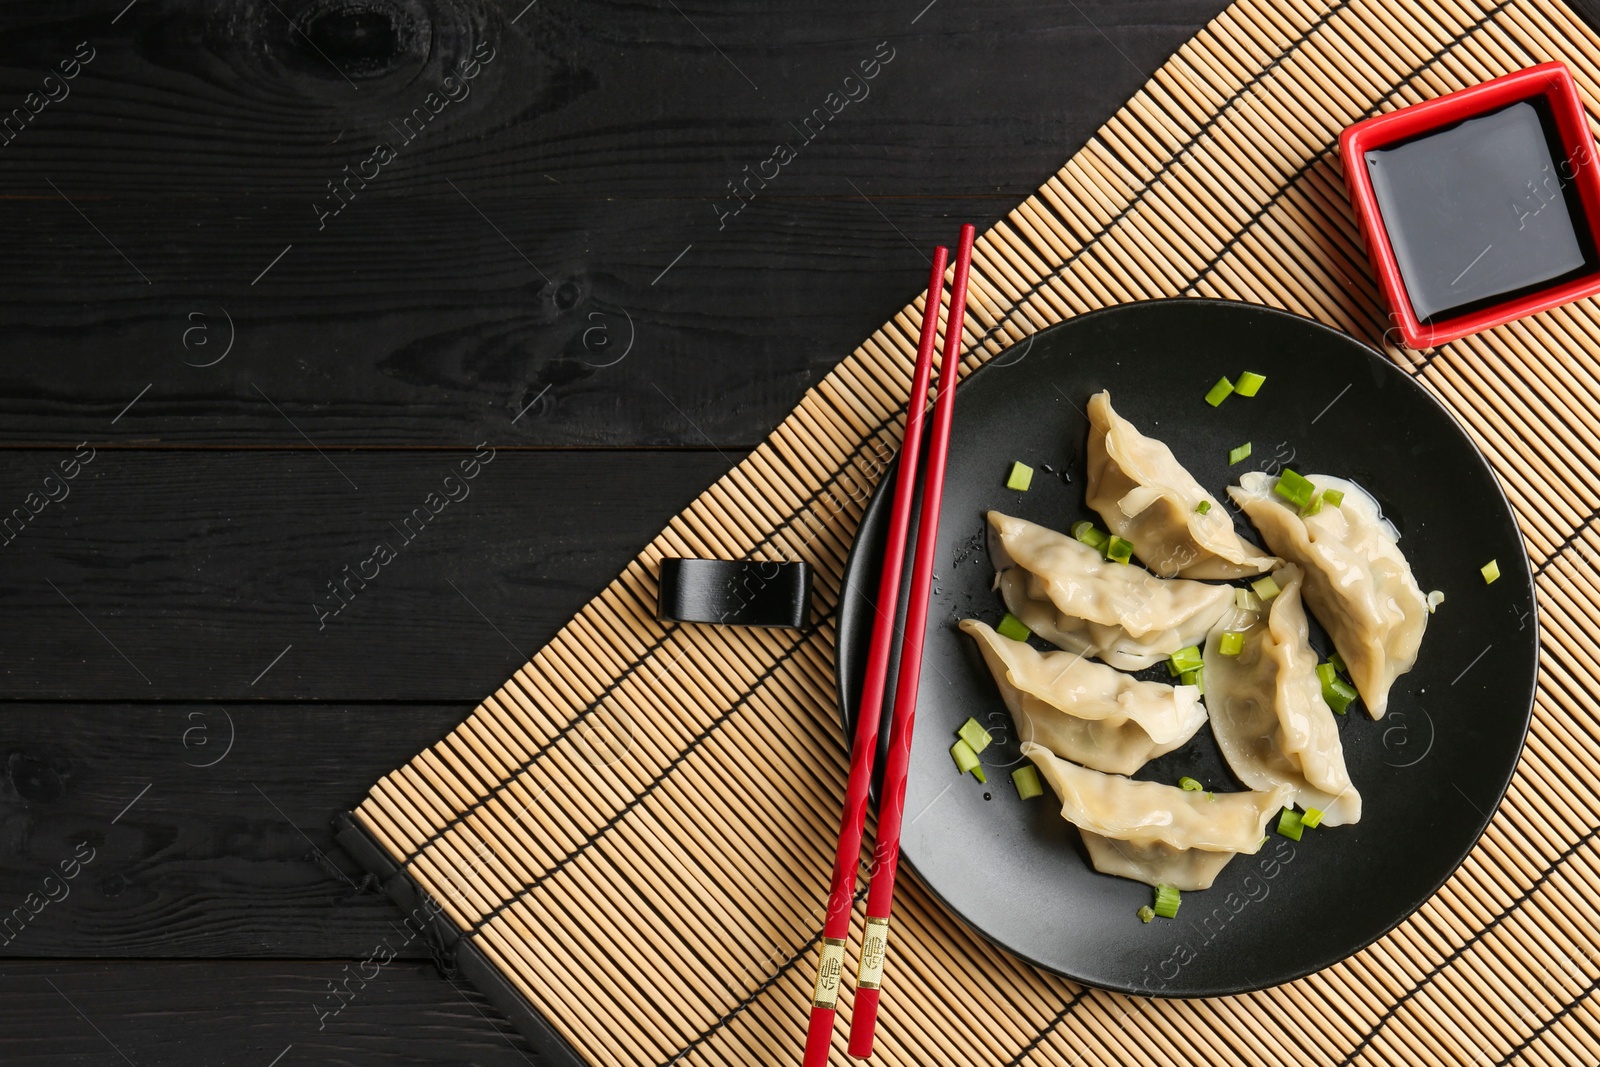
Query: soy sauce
1482	211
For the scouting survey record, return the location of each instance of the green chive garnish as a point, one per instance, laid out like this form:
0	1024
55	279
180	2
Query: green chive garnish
1290	824
1338	663
1189	785
1339	695
1219	392
1313	507
1203	508
1245	600
1167	901
1240	453
1334	497
1014	628
973	733
1026	779
977	772
1491	571
1196	678
1231	643
1089	534
966	759
1146	913
1021	476
1265	588
1294	488
1187	659
1118	550
1249	383
1312	818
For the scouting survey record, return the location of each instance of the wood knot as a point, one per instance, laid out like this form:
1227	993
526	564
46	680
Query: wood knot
361	39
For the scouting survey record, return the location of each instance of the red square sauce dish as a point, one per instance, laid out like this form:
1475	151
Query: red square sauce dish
1480	206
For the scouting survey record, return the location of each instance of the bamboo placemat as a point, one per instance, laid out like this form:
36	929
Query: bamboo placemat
630	841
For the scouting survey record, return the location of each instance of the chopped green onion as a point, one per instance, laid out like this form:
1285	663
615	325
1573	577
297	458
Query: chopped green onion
1237	454
1203	508
1265	588
1290	823
1245	600
1014	628
1231	643
1338	663
977	772
1187	659
1189	785
1312	818
1167	901
1490	571
1294	488
965	758
1196	678
1435	598
1021	476
973	733
1334	497
1089	534
1249	383
1026	779
1219	392
1312	508
1339	695
1146	913
1327	674
1118	550
1171	668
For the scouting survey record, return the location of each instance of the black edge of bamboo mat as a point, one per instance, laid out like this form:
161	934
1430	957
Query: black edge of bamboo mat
452	951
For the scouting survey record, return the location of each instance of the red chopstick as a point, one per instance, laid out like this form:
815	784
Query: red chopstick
891	806
841	895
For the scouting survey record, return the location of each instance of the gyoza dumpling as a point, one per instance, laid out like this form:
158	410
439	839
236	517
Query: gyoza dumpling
1071	596
1147	497
1156	833
1085	711
1267	710
1357	581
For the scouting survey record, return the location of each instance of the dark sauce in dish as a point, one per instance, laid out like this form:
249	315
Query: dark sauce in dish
1482	211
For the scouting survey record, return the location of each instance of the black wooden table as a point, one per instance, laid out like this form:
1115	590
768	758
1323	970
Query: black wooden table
276	270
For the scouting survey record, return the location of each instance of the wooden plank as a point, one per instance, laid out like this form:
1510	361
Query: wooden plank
262	1014
522	239
190	575
196	830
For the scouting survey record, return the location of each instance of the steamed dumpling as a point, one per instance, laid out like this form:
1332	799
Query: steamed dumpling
1267	710
1156	833
1357	581
1071	596
1085	711
1147	497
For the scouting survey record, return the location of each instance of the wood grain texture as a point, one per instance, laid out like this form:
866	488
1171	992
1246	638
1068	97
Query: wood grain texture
223	846
183	575
244	1014
516	242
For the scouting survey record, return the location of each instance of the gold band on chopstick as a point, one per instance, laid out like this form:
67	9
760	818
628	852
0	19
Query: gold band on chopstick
829	967
873	947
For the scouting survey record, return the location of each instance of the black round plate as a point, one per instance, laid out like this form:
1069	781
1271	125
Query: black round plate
1430	773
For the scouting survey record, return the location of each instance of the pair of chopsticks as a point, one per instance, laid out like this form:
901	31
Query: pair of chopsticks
891	807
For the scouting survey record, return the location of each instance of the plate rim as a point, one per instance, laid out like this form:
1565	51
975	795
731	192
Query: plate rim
857	561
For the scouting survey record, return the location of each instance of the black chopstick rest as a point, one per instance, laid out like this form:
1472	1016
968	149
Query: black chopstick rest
751	592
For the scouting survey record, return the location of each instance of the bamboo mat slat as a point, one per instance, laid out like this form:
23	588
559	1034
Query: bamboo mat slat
588	831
